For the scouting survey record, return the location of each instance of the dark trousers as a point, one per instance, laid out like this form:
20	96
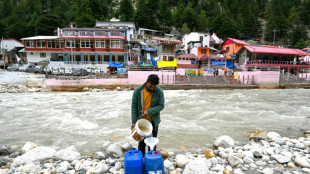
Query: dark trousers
142	144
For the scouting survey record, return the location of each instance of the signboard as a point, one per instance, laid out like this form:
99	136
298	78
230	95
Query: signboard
210	71
190	72
200	71
121	70
194	62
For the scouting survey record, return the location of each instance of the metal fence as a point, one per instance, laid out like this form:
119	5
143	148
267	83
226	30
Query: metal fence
294	79
209	80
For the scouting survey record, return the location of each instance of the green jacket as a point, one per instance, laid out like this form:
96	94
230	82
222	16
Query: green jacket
157	104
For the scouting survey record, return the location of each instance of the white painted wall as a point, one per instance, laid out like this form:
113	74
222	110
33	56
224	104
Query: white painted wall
34	57
195	36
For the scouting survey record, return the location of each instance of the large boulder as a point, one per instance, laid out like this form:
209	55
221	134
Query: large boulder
281	159
273	135
68	154
302	161
234	161
181	160
197	165
37	154
115	150
224	141
28	146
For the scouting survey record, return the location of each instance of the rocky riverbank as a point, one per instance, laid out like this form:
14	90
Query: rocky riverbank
266	152
17	88
9	88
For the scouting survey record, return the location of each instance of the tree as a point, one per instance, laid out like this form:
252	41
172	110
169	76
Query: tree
250	25
188	17
14	24
177	16
164	15
304	12
301	44
46	25
203	22
293	18
297	34
224	26
126	11
85	19
185	29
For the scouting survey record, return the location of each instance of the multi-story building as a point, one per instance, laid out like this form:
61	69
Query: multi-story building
195	39
78	46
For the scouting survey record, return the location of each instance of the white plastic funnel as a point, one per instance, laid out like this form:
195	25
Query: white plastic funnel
151	142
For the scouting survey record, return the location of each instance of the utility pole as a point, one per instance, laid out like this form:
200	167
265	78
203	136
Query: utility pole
274	35
2	50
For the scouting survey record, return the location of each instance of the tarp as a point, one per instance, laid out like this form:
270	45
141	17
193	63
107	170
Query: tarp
116	65
164	64
146	64
217	62
149	48
22	50
154	62
230	64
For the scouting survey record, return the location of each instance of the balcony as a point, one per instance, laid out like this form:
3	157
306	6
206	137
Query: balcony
278	63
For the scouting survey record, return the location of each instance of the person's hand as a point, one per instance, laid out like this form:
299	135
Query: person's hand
145	113
133	125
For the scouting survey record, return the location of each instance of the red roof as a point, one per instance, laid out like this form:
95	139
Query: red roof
187	56
229	41
305	49
275	50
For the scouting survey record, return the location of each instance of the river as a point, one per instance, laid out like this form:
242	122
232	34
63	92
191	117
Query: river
191	118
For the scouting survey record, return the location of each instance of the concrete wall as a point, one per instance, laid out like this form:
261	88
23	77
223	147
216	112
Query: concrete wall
305	76
35	56
139	77
262	78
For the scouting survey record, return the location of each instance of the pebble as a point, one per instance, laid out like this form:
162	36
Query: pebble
266	156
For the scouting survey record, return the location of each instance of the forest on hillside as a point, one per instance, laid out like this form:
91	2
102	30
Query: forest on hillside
287	20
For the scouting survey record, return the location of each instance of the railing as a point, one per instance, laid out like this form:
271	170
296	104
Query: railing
277	62
208	80
292	79
147	68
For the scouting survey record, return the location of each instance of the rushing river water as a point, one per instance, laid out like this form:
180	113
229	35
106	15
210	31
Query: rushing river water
191	118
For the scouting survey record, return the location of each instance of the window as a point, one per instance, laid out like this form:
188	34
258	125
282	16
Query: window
86	43
227	49
116	44
101	44
40	43
55	44
42	55
30	44
203	51
201	38
71	43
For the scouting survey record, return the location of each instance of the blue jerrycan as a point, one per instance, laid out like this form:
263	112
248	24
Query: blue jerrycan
133	162
153	163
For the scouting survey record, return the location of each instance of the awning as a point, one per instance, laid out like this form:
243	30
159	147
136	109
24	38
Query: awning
22	50
216	62
165	64
143	43
149	48
116	65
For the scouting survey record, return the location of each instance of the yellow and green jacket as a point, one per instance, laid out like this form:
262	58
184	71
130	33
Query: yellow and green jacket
157	104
